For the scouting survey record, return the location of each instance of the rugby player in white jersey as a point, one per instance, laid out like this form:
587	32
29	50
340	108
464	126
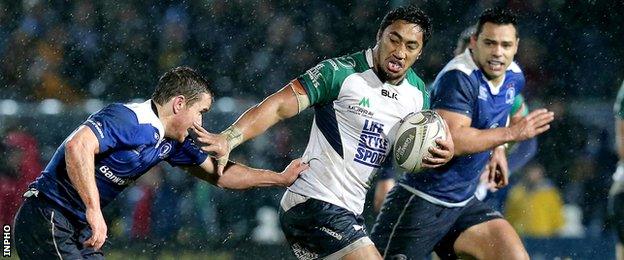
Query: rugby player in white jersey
357	100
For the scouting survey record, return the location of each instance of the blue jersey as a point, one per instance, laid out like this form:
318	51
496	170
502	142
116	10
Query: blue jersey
462	88
131	141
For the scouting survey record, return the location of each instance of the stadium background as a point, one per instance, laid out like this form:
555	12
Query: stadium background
61	61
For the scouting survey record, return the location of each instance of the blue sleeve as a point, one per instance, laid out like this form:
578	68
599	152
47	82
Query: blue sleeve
521	154
115	126
518	78
522	82
454	91
187	153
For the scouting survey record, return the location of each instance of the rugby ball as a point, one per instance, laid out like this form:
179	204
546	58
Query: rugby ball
416	134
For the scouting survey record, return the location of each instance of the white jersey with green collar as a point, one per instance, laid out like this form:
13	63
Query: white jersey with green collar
352	132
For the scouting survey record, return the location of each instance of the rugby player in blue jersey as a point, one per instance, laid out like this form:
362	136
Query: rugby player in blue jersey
518	155
435	210
358	99
61	216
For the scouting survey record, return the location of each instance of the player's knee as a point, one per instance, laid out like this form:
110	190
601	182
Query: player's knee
511	246
505	250
494	239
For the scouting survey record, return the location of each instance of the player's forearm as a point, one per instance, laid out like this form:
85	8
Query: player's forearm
81	172
275	108
469	140
257	120
240	177
236	176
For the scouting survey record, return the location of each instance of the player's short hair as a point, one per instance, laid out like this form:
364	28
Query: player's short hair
411	14
497	16
180	81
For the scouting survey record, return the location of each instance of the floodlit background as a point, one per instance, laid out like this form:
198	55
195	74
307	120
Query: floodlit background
62	60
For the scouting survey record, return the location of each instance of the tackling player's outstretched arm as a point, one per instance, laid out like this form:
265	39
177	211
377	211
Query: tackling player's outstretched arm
475	140
285	103
239	177
80	149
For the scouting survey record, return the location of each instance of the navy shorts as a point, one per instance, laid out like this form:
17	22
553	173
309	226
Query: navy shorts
43	230
317	229
616	209
409	227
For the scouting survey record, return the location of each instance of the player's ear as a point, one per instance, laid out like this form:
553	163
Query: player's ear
516	47
178	103
473	41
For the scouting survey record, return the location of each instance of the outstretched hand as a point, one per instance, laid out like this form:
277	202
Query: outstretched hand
293	170
442	152
215	143
532	124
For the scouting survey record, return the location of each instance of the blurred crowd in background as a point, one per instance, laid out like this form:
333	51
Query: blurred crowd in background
110	51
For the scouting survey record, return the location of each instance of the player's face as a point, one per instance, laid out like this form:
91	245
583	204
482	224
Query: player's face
192	114
398	47
494	48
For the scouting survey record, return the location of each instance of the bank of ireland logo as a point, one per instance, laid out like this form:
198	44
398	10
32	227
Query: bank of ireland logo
364	102
164	151
510	94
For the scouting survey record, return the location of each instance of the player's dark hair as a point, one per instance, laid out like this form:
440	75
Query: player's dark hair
409	14
498	16
180	81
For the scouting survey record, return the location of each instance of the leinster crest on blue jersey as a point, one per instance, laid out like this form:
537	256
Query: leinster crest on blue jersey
164	150
510	94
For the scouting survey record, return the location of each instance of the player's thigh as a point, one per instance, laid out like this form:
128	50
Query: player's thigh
409	226
473	214
317	229
42	232
493	239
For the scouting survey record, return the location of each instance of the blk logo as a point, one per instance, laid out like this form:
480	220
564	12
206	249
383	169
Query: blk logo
386	93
